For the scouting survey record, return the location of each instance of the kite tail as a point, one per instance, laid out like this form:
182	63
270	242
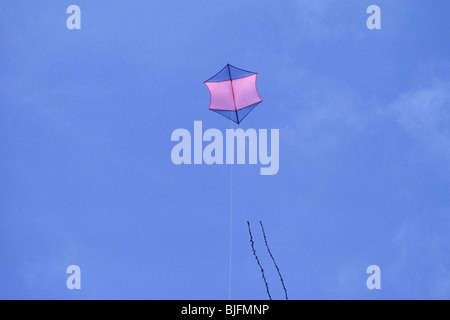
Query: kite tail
257	260
273	259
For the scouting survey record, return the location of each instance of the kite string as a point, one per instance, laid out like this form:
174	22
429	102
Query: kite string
273	259
231	226
257	260
231	195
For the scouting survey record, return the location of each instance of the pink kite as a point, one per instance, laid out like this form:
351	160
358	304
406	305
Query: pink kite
233	93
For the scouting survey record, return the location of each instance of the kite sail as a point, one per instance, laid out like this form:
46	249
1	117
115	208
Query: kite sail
233	93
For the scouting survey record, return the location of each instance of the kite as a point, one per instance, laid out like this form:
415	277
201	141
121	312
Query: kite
233	93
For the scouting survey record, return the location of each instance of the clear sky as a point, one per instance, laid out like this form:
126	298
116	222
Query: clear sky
86	176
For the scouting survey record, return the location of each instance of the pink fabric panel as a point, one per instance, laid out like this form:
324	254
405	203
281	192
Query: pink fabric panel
245	92
221	95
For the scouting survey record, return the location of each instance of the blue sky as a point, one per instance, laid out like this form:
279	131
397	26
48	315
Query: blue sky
86	176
